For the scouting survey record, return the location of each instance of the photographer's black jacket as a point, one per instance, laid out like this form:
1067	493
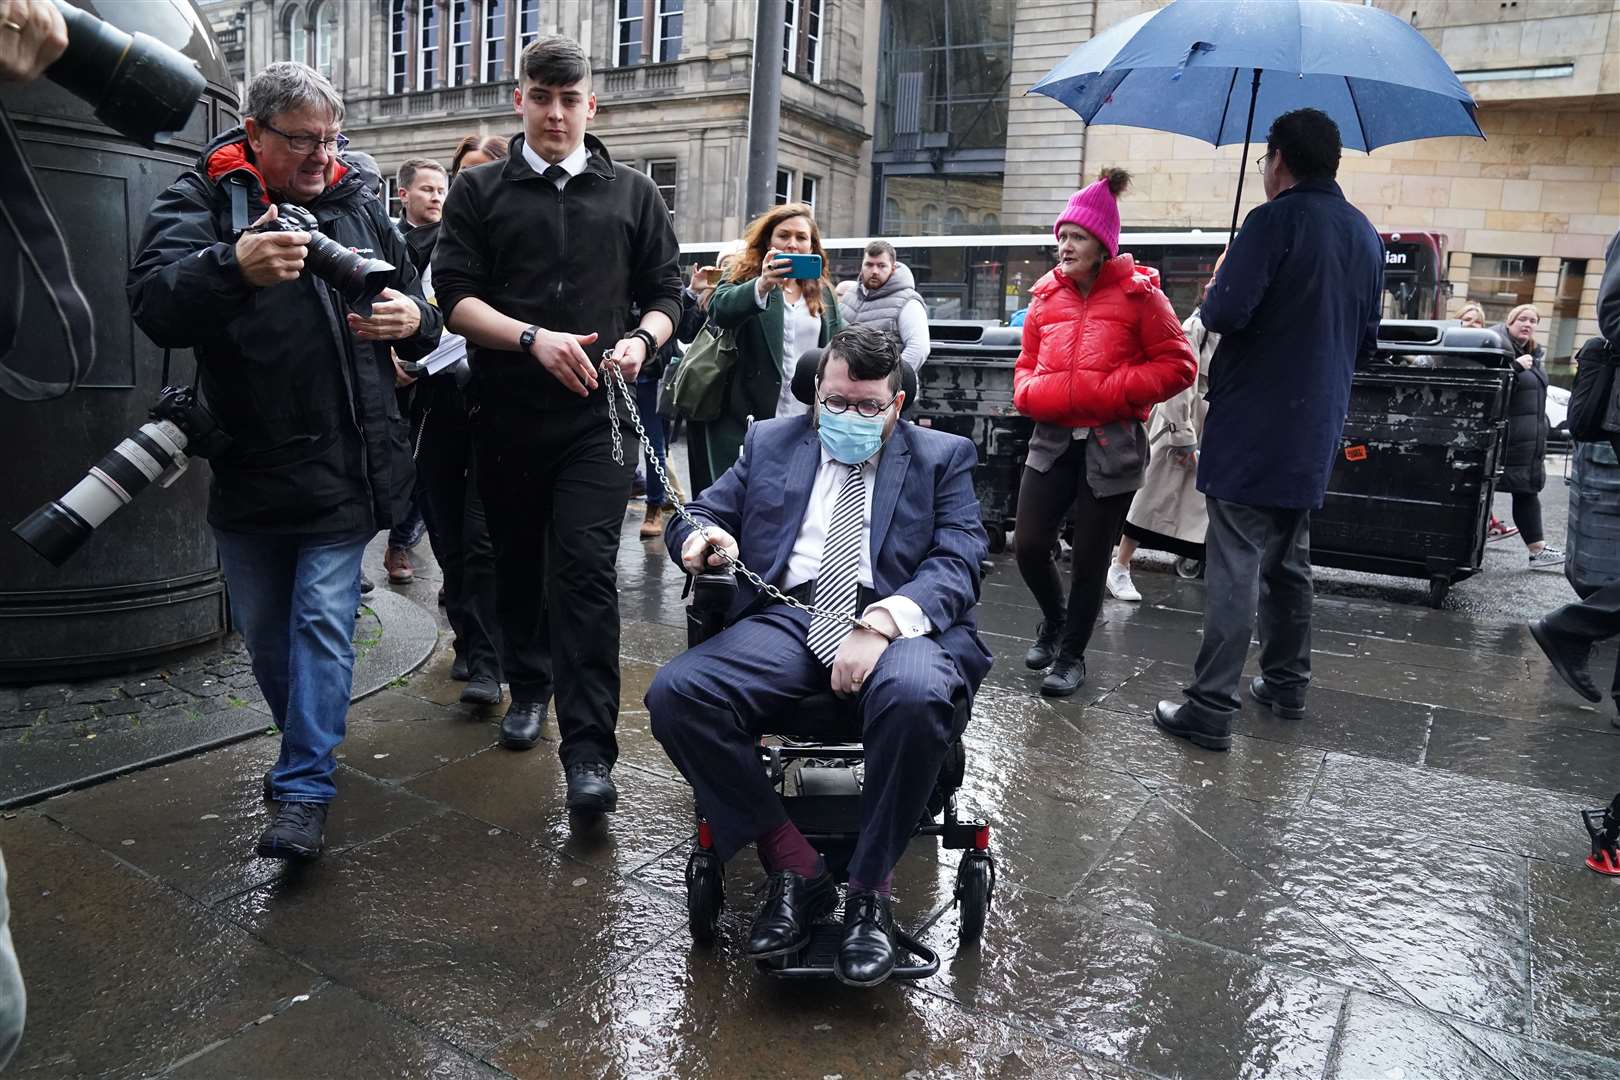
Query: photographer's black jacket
318	444
576	260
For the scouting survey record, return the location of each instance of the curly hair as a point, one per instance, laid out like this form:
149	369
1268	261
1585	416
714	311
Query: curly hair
756	241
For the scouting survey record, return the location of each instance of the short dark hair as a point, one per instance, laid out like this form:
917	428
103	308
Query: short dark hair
871	353
883	247
408	171
555	61
1309	142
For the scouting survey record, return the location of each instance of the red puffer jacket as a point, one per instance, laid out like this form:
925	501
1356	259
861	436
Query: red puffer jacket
1091	360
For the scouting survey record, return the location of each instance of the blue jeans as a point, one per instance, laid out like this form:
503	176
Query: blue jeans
647	406
294	599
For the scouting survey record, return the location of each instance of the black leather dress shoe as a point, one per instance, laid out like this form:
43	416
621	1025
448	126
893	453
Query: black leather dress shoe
867	955
484	690
1261	691
1183	723
792	906
1044	651
1068	674
520	727
298	832
1568	658
591	789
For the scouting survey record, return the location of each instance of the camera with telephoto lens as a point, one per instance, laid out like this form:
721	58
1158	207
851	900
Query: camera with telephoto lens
357	279
157	450
138	86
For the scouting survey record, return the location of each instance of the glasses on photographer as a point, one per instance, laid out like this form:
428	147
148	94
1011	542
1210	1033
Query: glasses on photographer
865	407
306	144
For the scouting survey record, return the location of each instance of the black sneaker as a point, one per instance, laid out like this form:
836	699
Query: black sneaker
298	832
1044	651
591	789
1068	674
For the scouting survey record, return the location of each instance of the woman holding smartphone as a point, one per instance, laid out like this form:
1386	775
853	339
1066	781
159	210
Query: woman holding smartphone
777	304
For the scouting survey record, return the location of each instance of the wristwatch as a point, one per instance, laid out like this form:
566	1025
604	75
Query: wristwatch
526	339
646	336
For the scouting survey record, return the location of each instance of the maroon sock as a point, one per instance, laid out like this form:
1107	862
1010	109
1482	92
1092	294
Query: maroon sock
882	888
785	848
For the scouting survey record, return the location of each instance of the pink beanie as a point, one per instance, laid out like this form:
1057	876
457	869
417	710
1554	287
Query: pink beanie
1094	208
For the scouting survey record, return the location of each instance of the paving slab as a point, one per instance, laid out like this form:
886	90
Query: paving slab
1574	938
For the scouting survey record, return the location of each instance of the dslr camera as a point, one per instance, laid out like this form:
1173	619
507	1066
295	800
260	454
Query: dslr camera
157	450
357	279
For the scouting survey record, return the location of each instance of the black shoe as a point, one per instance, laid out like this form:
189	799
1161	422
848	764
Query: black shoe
520	727
1261	691
366	584
484	690
1044	651
298	832
791	907
590	788
1068	674
459	670
1183	723
1568	658
867	955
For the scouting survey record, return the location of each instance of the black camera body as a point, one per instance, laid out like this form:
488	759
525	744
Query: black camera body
357	279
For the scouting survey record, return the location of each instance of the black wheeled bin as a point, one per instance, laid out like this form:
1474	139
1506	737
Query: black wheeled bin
1410	494
966	388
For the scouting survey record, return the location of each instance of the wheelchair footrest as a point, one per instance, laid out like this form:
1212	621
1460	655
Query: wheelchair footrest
817	959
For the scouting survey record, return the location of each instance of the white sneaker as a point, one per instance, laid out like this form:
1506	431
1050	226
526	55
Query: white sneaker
1548	558
1119	583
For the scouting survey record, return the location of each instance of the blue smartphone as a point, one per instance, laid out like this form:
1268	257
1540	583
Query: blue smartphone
803	267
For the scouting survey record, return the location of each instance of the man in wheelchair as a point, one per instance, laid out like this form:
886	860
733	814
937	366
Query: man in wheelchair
852	511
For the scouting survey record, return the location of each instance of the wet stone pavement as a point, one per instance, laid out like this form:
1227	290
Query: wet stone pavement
1390	888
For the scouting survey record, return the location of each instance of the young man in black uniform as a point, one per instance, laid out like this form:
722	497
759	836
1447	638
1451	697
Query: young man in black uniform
540	259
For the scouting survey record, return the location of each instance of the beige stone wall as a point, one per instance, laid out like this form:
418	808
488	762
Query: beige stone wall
1046	142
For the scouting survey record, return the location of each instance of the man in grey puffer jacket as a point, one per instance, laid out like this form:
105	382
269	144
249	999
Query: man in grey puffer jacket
887	297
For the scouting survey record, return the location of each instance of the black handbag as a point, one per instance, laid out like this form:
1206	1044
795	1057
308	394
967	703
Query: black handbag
1591	396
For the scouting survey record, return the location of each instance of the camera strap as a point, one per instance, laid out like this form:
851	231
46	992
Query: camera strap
38	243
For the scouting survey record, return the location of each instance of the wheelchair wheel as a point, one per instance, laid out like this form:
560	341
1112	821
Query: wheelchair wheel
975	883
705	895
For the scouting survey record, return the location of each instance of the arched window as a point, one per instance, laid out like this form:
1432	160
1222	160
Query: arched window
326	35
955	220
297	32
992	222
891	215
928	219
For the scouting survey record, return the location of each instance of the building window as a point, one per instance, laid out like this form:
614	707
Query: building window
427	52
494	61
955	221
297	37
1501	283
671	21
808	190
943	78
528	22
801	39
663	174
461	42
891	216
395	207
631	18
784	186
399	46
326	35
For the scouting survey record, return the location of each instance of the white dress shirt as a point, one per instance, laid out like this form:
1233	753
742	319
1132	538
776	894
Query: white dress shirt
804	563
575	162
801	332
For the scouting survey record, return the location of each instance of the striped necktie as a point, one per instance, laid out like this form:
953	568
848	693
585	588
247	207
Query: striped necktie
838	583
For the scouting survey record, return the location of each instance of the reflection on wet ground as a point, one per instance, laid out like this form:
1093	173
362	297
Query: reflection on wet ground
1391	887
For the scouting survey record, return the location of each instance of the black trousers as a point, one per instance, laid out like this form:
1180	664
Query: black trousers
1593	619
447	474
710	703
1043	500
555	502
1527	516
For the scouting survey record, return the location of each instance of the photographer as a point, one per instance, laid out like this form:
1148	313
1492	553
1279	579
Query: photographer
319	459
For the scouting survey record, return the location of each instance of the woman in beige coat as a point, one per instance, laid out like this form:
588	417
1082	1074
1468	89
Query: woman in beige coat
1168	512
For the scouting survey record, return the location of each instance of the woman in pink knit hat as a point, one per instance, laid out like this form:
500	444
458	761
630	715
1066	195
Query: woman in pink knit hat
1101	347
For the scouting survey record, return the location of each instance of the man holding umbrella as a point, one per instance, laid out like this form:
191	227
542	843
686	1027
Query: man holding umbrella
1297	303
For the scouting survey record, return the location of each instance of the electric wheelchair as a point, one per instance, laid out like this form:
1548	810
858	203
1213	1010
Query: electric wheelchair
813	754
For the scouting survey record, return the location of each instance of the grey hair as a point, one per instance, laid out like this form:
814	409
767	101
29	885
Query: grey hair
287	86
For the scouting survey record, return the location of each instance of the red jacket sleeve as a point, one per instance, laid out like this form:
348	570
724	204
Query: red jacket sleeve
1168	364
1029	347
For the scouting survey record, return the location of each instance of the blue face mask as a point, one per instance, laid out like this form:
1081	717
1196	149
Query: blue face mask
850	437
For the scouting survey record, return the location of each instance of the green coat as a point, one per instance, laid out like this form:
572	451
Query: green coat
756	381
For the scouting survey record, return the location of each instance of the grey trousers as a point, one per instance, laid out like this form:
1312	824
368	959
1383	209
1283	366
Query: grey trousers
1254	556
13	1001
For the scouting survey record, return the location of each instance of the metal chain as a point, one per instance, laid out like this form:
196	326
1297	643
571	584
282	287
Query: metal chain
616	385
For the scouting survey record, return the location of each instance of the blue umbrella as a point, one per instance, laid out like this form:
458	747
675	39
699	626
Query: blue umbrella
1199	67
